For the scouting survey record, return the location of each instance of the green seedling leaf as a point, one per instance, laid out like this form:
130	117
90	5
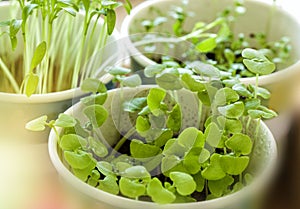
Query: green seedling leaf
86	4
240	144
230	125
122	166
142	124
234	165
32	81
27	11
99	99
105	168
95	174
154	99
130	188
72	142
168	81
77	129
237	187
261	92
214	171
200	181
248	178
38	124
191	83
207	45
92	182
225	95
190	137
65	121
213	134
128	6
83	174
93	85
184	199
136	172
204	155
132	81
257	63
97	147
232	111
169	163
230	82
79	160
184	183
267	110
174	118
158	193
111	20
14	28
140	150
97	114
172	147
163	138
204	69
255	114
118	71
191	160
229	55
220	187
252	104
109	184
38	55
152	70
242	90
134	105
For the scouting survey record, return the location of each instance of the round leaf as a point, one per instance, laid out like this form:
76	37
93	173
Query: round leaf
65	121
214	171
72	142
234	165
184	183
131	188
158	193
38	124
234	110
240	143
109	184
97	114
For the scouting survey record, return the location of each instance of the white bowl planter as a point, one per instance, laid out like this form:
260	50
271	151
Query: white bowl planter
256	19
263	159
23	152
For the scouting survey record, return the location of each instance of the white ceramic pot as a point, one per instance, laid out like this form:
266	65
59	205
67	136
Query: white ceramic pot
263	161
256	19
24	160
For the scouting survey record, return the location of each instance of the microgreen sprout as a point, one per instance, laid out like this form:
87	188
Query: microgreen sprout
214	42
161	158
53	35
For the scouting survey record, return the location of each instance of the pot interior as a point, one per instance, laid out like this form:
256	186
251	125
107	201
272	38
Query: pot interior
260	17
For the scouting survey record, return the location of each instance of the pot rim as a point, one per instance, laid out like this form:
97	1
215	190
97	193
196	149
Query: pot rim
259	182
263	80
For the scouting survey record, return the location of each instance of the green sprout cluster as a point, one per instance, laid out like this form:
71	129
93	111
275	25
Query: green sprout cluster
158	159
214	42
54	43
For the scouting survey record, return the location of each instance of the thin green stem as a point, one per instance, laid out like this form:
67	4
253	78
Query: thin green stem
203	29
256	86
10	77
124	139
79	57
